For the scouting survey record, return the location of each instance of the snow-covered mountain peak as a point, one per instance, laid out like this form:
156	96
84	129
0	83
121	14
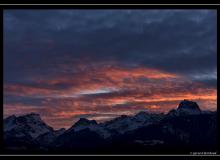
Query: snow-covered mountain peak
84	122
186	104
9	122
142	115
29	124
32	117
185	107
10	119
189	107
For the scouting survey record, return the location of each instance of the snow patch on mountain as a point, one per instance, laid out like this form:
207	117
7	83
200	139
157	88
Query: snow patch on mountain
84	123
189	107
30	124
127	123
186	107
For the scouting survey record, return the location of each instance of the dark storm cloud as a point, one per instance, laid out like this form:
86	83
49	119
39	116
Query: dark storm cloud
180	41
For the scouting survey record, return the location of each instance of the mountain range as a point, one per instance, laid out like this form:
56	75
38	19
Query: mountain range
182	130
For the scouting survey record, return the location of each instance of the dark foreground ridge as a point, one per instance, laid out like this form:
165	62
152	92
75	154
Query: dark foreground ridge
180	131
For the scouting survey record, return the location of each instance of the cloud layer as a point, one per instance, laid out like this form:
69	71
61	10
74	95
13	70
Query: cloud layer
102	63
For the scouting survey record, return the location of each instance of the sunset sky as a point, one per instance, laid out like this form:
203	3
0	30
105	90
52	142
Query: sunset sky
99	64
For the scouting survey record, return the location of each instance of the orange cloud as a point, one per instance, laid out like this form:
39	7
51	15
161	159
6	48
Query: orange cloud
106	89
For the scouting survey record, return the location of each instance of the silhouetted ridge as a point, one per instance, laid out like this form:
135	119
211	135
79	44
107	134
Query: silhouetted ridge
85	122
183	129
190	105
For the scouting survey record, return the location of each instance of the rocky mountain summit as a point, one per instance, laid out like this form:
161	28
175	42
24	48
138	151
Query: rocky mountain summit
181	129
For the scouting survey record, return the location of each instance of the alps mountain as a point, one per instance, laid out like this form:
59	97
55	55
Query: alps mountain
181	130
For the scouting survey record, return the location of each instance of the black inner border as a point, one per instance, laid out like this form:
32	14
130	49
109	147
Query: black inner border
97	6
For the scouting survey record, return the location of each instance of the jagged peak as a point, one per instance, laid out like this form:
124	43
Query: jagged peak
187	104
85	122
10	117
32	114
142	113
185	107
